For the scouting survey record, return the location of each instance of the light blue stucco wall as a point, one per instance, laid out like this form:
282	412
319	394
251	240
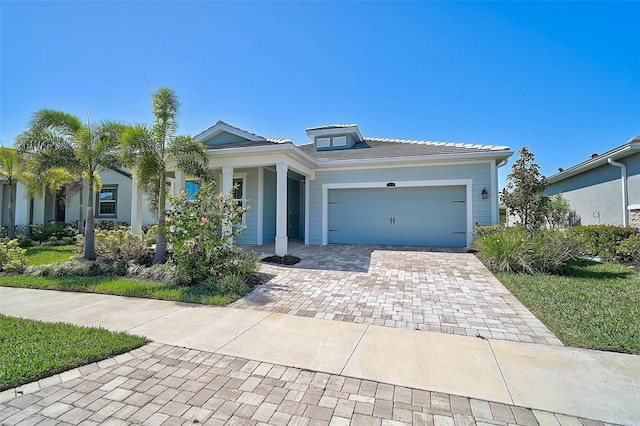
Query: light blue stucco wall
123	205
480	173
596	195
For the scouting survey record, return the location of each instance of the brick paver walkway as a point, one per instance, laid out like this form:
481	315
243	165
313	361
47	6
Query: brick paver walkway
446	291
166	385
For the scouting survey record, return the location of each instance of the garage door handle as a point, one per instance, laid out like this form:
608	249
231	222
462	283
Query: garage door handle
459	232
392	221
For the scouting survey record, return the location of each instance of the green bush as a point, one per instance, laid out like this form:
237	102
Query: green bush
43	233
122	244
513	250
601	240
151	235
162	272
79	268
12	257
628	251
109	225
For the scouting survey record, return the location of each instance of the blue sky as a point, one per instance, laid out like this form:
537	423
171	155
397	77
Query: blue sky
560	77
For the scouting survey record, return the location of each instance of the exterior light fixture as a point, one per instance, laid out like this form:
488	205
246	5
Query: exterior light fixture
485	194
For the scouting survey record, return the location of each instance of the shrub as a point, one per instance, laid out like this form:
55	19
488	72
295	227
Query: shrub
601	240
151	235
42	233
122	244
109	225
79	268
201	232
12	257
513	250
162	272
628	251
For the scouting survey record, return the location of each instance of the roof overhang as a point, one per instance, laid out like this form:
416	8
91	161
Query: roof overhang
221	127
498	156
622	151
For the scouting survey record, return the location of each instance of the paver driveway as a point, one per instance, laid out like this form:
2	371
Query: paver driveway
441	290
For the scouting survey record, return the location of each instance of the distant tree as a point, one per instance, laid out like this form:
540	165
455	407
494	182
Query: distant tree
150	149
523	194
559	213
58	140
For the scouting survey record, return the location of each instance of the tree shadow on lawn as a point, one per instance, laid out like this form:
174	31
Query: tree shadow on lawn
590	269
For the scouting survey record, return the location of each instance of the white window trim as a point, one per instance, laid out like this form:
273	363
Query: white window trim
323	142
99	202
340	141
468	183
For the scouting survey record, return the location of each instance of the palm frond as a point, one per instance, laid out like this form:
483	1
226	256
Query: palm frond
58	121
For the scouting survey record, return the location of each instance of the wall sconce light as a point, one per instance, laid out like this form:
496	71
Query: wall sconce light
485	194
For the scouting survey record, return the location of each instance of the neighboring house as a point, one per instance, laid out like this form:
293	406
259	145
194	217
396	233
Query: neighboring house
345	188
605	189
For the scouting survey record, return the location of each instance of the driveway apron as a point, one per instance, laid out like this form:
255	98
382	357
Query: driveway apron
417	288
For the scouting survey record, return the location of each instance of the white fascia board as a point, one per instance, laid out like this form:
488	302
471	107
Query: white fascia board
471	157
222	127
262	158
336	131
265	149
602	159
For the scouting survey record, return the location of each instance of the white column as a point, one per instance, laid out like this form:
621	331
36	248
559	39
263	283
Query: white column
227	180
281	209
21	205
178	183
136	207
260	226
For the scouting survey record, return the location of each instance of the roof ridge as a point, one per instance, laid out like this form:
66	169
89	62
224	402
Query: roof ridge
450	144
237	128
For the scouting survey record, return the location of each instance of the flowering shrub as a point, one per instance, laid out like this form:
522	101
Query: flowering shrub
12	256
201	232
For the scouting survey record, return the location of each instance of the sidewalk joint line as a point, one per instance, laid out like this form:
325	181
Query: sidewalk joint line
244	332
504	380
354	350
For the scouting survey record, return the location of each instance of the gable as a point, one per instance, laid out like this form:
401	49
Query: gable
224	138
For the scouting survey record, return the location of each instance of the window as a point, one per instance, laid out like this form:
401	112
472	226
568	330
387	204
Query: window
192	186
324	142
239	192
340	141
107	200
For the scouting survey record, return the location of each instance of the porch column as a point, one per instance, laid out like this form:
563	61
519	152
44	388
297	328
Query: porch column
178	183
136	207
21	205
260	227
227	185
227	180
281	209
2	185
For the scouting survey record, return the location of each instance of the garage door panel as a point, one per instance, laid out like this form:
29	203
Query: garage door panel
428	216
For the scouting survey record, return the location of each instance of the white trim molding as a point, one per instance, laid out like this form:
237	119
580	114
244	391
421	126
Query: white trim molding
467	183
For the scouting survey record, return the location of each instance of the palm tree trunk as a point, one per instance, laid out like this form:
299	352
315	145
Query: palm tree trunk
89	234
80	213
161	244
11	223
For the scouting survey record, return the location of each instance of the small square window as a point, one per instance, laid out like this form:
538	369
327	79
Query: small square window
323	142
340	141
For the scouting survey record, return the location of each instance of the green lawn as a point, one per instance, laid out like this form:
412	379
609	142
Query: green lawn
44	254
596	306
121	286
31	350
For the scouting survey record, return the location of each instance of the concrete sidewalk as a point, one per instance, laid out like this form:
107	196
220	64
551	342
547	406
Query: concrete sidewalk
596	385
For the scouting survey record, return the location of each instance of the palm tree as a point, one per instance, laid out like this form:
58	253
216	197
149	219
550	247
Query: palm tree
57	139
149	149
